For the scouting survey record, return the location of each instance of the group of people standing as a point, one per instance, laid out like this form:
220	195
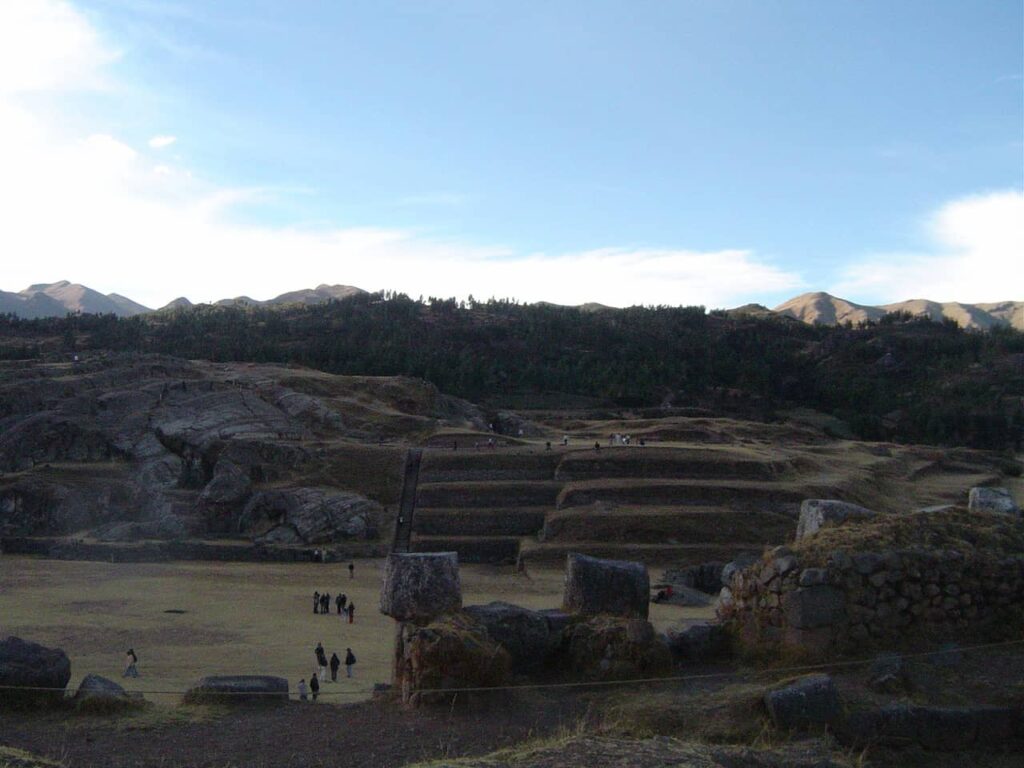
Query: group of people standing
322	605
320	672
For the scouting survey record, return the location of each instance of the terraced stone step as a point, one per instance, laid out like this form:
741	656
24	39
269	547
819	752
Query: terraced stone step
775	497
458	467
652	554
668	463
660	525
471	549
520	521
488	494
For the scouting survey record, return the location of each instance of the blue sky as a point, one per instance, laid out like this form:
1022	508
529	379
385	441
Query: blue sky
624	152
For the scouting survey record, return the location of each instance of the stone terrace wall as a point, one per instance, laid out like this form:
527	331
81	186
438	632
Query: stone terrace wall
897	598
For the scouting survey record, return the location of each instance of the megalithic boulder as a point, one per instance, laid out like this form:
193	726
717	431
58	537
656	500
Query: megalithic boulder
616	587
419	586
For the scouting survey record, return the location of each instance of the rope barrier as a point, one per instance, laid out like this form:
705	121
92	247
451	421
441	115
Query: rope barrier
773	671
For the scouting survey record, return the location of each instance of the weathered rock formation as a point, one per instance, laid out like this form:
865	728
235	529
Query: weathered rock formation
524	634
32	673
147	439
617	587
816	514
99	693
452	652
810	701
238	689
310	516
614	648
998	501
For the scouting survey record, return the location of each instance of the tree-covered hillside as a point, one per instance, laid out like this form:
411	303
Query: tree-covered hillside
901	378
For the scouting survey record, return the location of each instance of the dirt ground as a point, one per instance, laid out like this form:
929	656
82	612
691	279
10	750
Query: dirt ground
239	618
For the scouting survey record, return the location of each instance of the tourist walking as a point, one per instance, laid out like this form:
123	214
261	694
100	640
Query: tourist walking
316	602
335	664
327	603
350	661
131	660
321	660
303	691
351	570
314	687
351	612
344	602
339	601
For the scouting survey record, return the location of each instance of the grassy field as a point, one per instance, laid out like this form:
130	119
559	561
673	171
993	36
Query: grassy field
239	618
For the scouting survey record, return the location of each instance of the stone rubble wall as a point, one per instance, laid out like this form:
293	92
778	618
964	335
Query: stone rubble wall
896	598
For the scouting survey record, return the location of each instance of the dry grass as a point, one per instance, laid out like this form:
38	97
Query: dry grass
241	618
993	535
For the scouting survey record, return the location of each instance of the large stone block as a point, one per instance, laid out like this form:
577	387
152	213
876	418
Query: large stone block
809	701
419	586
997	501
816	514
238	689
813	607
520	631
617	587
41	673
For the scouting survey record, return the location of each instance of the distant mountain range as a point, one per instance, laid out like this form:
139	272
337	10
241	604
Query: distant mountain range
822	308
57	299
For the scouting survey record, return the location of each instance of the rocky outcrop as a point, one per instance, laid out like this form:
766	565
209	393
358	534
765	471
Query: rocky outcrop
816	514
452	652
810	701
30	667
617	587
996	501
614	648
523	633
310	516
698	643
238	689
99	693
420	586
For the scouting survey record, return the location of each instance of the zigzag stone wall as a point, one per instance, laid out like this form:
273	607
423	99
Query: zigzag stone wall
856	601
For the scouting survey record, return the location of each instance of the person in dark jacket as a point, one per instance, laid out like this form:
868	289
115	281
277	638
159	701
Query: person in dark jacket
314	687
339	601
316	602
351	612
326	603
350	661
335	664
351	570
344	603
321	660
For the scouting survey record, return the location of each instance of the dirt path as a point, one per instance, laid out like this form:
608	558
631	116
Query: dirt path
366	735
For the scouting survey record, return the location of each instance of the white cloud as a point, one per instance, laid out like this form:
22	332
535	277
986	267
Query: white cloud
48	45
159	142
95	210
978	257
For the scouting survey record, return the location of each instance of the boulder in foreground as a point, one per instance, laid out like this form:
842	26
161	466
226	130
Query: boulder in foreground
419	586
238	689
41	673
99	693
616	587
810	701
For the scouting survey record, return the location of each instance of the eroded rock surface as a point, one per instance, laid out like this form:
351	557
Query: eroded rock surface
421	586
617	587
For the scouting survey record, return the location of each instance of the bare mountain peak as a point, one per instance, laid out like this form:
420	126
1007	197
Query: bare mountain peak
822	308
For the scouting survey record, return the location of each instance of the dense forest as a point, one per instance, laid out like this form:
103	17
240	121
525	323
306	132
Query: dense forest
902	378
